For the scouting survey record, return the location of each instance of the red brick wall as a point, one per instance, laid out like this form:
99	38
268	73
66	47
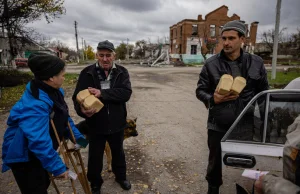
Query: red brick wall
218	18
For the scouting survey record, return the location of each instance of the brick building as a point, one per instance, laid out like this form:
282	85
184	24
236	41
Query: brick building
189	35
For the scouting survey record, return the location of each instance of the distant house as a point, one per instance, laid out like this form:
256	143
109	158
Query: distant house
285	50
59	53
189	35
23	48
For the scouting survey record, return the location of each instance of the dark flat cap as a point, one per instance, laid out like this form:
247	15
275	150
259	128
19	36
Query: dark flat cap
236	25
45	66
106	45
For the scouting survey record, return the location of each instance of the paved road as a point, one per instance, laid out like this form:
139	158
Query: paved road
170	154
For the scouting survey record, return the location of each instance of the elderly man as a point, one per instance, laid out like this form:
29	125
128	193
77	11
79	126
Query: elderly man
223	109
110	83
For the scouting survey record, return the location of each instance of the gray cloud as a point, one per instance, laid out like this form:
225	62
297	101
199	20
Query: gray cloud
134	5
117	20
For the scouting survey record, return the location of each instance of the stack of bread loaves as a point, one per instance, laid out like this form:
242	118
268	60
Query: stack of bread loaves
227	84
88	100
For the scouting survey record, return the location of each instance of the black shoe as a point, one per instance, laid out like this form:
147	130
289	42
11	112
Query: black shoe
213	190
96	190
125	184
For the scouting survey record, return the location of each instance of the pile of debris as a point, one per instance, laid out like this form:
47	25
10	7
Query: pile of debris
153	55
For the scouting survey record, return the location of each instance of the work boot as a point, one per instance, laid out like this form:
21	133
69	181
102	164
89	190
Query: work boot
213	189
96	189
125	184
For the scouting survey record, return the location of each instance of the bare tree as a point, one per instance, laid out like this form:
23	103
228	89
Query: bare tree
268	38
209	44
141	44
16	14
294	43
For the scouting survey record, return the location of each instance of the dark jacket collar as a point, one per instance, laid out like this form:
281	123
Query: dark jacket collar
223	56
115	69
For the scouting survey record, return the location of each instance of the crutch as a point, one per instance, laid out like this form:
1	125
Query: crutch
67	157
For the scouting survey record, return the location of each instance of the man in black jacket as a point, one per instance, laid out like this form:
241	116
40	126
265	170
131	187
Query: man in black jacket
110	83
223	109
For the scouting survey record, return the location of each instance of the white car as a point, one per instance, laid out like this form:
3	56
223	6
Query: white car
257	137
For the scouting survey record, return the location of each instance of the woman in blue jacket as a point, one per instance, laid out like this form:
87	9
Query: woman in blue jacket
29	146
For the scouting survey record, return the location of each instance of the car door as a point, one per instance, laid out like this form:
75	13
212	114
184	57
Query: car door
257	137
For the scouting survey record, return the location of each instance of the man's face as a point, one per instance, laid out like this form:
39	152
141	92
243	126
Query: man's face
105	58
231	41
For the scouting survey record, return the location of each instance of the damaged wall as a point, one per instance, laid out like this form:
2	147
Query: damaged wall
193	45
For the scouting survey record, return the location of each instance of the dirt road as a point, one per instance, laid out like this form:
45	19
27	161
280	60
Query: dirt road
170	154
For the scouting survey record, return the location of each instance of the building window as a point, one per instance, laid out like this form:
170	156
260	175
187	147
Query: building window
180	49
180	31
212	30
194	29
220	30
193	49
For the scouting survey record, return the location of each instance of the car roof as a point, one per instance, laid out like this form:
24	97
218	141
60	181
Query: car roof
294	84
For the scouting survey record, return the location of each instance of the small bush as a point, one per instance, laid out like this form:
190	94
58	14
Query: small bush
10	78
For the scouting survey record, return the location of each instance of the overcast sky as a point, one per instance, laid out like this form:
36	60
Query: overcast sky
117	20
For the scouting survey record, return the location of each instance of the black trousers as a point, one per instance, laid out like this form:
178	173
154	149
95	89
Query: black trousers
31	177
214	168
95	160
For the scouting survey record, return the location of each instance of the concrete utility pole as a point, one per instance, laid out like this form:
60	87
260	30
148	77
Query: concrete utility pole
127	55
275	46
82	48
76	36
85	48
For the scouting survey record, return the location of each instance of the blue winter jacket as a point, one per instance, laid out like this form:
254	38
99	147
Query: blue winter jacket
28	130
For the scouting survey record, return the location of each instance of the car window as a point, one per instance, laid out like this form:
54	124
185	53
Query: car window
250	126
282	109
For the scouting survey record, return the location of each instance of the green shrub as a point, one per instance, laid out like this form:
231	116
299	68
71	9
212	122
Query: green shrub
10	78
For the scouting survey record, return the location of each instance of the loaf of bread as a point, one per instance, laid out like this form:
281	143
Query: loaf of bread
88	100
227	84
92	102
82	95
238	85
224	85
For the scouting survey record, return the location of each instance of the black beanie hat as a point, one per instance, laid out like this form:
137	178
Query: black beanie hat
45	66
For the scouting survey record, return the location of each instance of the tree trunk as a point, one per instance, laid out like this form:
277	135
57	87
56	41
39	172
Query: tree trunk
10	36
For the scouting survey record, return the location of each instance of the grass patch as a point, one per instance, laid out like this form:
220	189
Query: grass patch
70	79
282	79
10	95
195	65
